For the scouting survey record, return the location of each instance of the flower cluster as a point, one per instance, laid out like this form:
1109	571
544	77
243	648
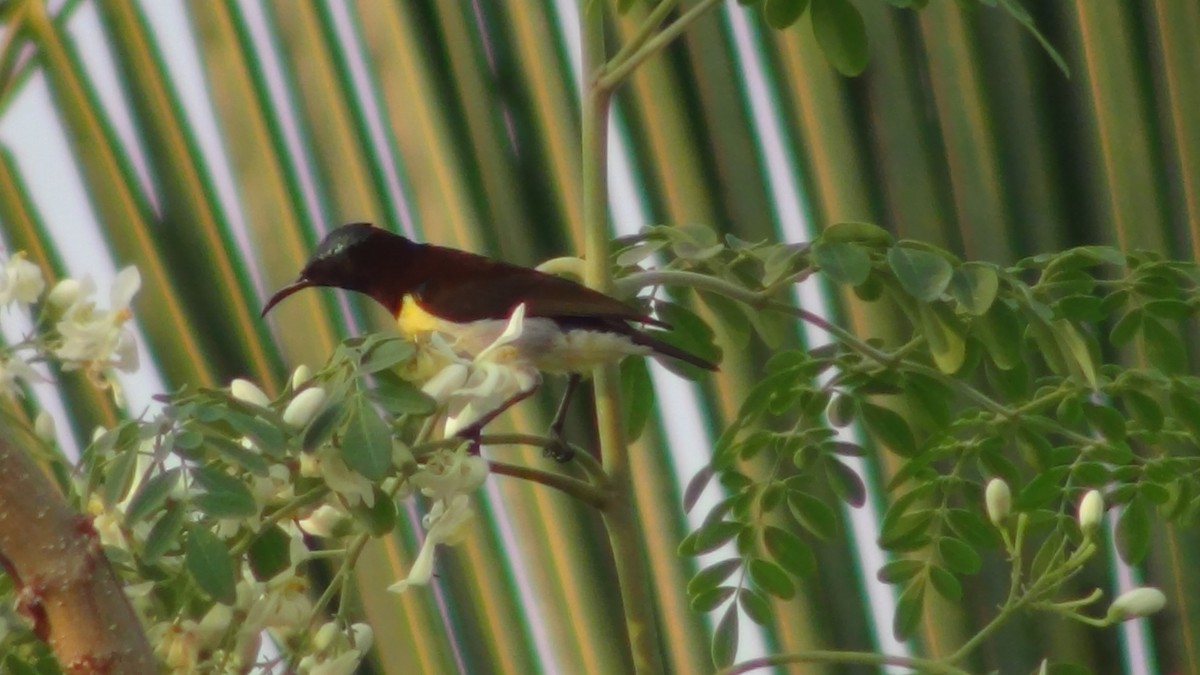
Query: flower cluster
472	388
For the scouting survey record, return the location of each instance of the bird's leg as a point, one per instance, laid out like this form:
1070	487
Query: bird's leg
472	431
558	450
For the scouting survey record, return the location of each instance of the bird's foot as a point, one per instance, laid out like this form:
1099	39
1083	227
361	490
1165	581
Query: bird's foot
471	436
558	449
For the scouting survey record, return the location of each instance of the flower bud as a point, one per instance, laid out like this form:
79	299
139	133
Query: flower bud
65	293
1136	603
324	521
300	375
998	498
363	636
1091	510
325	636
247	391
303	407
43	427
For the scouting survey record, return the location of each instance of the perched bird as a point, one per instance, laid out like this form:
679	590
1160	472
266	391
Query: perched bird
568	327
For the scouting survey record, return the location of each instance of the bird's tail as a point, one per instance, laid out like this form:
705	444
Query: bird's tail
663	348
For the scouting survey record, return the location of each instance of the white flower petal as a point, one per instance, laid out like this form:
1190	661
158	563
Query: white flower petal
125	286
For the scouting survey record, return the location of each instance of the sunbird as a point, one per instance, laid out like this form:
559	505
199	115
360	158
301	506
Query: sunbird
568	327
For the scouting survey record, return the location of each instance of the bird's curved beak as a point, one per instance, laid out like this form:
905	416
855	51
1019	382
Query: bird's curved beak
298	285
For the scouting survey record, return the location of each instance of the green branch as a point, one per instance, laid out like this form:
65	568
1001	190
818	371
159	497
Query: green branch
619	70
859	658
574	487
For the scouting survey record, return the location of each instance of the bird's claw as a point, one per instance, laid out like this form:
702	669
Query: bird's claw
558	449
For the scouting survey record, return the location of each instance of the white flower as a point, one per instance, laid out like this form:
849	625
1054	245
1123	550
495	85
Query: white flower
999	501
324	521
303	407
328	465
21	282
1137	602
93	339
178	645
447	473
284	604
13	369
248	392
1091	510
342	664
447	524
473	389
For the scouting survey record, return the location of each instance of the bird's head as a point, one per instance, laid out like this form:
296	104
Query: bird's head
354	257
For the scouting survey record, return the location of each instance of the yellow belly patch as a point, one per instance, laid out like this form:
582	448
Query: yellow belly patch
412	320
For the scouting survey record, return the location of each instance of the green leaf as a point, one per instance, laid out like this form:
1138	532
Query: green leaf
908	610
378	519
367	442
755	605
841	33
945	344
713	535
958	556
945	583
210	565
1133	532
711	599
889	427
235	453
713	576
690	333
725	638
730	317
771	578
899	571
1187	410
120	475
781	14
925	275
867	233
1169	309
1000	332
1145	409
1075	347
1105	419
164	536
637	397
224	496
1164	348
1127	327
386	353
695	488
150	496
814	514
974	286
843	262
846	484
269	553
789	551
399	396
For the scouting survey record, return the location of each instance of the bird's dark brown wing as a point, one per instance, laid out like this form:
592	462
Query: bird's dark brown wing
471	288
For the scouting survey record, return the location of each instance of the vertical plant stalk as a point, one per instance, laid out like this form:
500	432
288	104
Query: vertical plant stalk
65	584
620	515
